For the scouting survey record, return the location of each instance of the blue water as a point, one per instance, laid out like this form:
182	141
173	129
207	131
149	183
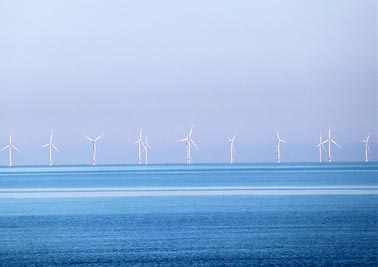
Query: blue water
224	230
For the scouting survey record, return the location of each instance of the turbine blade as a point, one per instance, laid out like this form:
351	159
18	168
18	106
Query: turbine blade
278	135
45	146
99	137
15	148
191	131
182	140
57	150
282	141
147	145
333	141
89	139
194	144
324	148
368	148
5	147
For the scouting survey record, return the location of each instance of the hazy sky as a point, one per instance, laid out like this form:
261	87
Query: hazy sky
229	67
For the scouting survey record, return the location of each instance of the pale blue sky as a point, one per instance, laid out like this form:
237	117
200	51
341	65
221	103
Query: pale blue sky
242	67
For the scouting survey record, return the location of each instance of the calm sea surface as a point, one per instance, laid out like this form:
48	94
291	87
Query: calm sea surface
198	215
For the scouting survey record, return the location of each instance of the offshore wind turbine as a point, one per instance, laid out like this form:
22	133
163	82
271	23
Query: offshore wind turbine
321	146
279	146
9	147
188	142
329	141
51	146
367	148
146	147
140	143
231	141
94	148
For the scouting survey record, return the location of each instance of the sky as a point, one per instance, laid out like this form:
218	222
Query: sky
228	67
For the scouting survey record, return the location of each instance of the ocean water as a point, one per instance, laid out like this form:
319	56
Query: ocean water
198	215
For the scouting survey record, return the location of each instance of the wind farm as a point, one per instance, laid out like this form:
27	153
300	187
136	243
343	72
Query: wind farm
237	133
144	147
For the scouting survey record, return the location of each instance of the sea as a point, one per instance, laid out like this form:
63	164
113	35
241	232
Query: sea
288	214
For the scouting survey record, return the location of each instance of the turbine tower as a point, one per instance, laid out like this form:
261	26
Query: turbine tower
321	146
231	141
9	147
51	146
367	148
279	146
139	142
94	149
188	142
329	141
146	147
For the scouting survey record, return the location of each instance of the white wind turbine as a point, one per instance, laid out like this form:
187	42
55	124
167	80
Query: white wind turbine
9	147
329	141
94	148
51	145
367	148
321	146
139	142
146	147
279	146
231	141
189	142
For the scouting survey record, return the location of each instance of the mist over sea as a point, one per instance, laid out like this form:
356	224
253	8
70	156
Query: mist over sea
291	214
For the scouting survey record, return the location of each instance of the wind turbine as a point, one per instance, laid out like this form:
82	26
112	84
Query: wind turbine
139	142
321	146
146	147
231	141
367	148
94	149
51	145
279	146
329	141
10	146
189	142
